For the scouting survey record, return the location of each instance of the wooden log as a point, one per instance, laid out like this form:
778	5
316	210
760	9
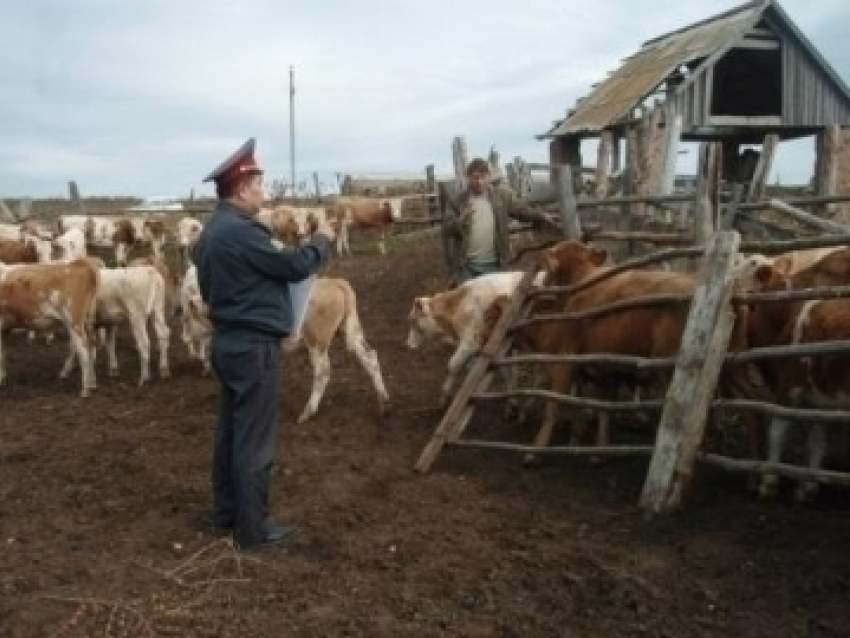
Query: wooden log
568	399
6	213
638	363
729	212
807	218
603	162
672	137
453	421
616	154
756	188
666	239
495	165
616	306
826	182
510	169
798	201
791	414
704	343
828	477
777	247
430	179
785	352
460	156
570	222
557	450
704	227
781	296
316	186
637	262
820	348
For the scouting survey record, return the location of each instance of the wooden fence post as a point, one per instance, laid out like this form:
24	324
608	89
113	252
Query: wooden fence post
603	164
756	189
461	159
570	221
704	344
430	179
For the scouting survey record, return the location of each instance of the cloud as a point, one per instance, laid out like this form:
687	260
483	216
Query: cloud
145	97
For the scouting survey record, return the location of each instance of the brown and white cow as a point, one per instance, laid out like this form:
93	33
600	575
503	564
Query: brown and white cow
70	245
39	296
134	295
458	317
119	233
188	231
364	213
821	382
332	306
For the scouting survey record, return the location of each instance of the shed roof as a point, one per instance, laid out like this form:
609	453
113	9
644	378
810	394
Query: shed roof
640	74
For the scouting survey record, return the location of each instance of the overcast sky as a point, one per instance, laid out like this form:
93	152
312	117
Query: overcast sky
145	97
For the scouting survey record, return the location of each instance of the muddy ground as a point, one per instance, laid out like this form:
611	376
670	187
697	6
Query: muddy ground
99	500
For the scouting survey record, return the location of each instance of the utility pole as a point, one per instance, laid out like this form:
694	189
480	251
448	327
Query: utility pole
292	128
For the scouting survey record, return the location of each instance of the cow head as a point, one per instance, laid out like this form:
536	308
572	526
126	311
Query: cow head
768	278
570	261
70	245
421	322
391	208
188	232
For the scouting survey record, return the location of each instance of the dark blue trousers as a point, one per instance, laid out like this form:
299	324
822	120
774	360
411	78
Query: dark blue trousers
250	370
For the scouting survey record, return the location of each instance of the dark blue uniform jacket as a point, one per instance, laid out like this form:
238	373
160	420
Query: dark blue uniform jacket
243	277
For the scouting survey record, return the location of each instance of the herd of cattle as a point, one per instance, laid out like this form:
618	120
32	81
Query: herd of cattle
466	317
47	279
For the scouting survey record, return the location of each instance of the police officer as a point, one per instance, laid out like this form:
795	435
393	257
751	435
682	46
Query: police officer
243	278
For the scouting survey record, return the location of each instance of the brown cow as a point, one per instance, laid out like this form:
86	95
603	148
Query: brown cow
41	295
660	326
17	252
816	382
364	213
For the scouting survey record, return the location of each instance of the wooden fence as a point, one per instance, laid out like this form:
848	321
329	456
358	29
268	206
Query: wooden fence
690	396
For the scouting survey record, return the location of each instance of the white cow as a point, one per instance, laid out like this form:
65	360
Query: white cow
135	295
188	231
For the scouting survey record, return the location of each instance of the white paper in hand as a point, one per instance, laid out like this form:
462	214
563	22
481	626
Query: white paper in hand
299	294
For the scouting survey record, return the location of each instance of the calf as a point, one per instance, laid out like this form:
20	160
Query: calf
332	305
818	382
135	295
41	295
458	316
364	213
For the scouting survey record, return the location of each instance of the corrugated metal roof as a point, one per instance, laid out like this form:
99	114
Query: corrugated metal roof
626	87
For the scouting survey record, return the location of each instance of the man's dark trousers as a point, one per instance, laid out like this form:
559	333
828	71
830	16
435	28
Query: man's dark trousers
250	369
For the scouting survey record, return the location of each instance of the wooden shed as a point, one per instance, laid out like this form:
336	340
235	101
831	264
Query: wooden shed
747	76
